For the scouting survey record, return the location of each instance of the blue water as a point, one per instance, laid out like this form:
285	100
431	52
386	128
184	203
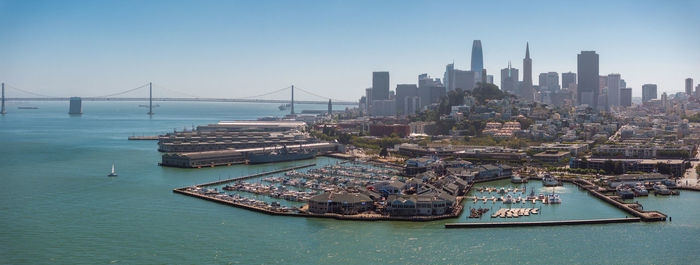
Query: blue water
58	207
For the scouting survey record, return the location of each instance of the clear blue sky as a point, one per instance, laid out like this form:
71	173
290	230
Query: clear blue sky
242	48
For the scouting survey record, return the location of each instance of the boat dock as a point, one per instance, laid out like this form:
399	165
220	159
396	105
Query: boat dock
543	223
646	216
253	176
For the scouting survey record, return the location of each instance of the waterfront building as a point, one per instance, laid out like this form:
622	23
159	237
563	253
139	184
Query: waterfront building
380	86
626	97
675	166
689	86
510	80
381	130
340	202
648	92
614	82
588	85
527	92
426	204
573	149
477	60
76	106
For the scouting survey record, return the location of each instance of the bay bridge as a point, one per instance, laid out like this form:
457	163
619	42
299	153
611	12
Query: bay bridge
19	94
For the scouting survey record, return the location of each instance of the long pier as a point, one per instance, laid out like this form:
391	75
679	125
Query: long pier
646	216
254	175
543	223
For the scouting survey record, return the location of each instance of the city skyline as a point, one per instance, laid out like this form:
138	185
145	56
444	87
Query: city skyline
234	48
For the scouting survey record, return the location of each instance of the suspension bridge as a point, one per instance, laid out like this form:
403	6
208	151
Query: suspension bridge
274	96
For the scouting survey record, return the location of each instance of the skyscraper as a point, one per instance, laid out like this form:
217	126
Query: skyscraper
648	92
567	79
380	85
449	77
477	59
626	97
588	79
526	91
465	80
549	81
509	80
406	94
689	86
614	89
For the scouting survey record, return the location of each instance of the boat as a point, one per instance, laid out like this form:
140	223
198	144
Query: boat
20	107
661	189
516	178
531	196
508	199
640	190
553	199
284	106
112	174
280	156
624	192
550	181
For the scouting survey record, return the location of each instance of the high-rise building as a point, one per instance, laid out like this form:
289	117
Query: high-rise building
697	91
429	89
510	79
623	84
549	81
614	89
380	85
567	79
466	80
449	77
648	92
526	89
626	97
477	59
404	91
689	86
588	86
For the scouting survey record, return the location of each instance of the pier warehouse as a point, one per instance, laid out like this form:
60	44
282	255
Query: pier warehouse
237	135
234	156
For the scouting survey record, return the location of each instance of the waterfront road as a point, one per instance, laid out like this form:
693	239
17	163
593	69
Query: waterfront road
690	178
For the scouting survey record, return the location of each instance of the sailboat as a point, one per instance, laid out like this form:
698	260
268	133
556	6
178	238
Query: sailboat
112	174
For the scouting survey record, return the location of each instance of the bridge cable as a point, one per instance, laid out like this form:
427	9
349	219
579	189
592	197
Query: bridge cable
123	92
175	91
28	92
265	94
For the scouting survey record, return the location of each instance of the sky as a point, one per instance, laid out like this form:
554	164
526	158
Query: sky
237	49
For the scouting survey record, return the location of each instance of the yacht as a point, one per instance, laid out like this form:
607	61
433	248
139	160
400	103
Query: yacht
550	181
553	199
640	190
661	189
508	199
516	178
112	174
625	192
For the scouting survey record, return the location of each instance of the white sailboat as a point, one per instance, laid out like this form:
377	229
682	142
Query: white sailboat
112	174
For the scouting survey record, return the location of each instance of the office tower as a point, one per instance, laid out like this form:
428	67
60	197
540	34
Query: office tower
448	78
510	79
689	86
526	89
404	91
588	86
549	81
380	86
623	84
648	92
626	97
477	59
614	89
428	89
489	79
603	83
466	80
567	79
697	91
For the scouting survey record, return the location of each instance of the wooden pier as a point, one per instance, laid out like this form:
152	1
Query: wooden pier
253	176
543	223
144	138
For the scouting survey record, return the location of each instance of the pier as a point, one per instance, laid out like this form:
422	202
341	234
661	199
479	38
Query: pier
543	223
146	137
254	175
646	216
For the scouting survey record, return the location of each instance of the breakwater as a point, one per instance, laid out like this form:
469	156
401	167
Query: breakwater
543	223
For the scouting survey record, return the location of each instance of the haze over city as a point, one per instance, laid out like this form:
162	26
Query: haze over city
241	48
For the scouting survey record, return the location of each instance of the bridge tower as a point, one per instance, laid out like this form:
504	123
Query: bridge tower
150	98
292	100
2	111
